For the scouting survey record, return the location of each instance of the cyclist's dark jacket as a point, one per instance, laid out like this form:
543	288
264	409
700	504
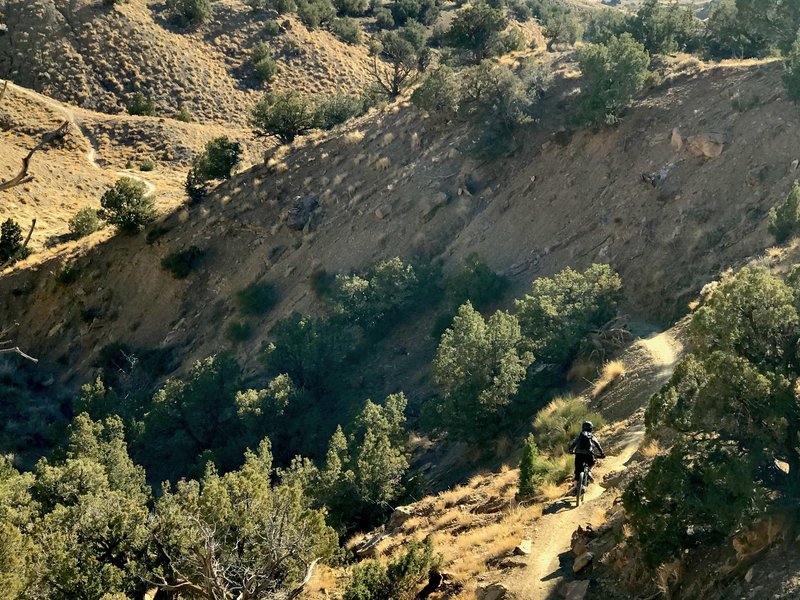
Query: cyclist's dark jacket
585	443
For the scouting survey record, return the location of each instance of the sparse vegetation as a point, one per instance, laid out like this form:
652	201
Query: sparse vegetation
791	78
141	106
257	299
557	424
315	13
476	30
614	74
217	161
84	222
784	220
397	580
283	115
346	29
264	65
182	263
238	332
127	207
186	13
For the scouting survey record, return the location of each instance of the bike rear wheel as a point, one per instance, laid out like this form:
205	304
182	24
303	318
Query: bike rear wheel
583	481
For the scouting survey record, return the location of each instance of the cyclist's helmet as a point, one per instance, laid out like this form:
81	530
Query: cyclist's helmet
587	426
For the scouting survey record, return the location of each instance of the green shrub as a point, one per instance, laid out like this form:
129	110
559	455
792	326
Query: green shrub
604	24
477	283
264	65
271	28
335	109
384	294
280	6
476	30
141	106
534	469
257	299
84	222
613	74
520	10
10	241
666	28
384	19
182	263
728	35
479	367
238	332
791	77
557	424
352	8
147	165
188	12
784	220
561	26
398	580
283	115
439	93
347	30
127	207
68	274
315	13
184	115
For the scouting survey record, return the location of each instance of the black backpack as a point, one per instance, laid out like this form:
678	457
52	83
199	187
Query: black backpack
584	445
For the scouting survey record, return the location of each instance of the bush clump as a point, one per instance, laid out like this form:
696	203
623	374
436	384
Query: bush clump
558	423
185	13
141	106
10	241
534	469
264	66
238	332
784	220
476	30
397	580
84	222
217	161
614	74
315	13
257	298
791	77
346	29
182	263
127	206
283	115
334	109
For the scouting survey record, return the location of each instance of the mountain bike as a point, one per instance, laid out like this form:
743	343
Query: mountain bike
581	485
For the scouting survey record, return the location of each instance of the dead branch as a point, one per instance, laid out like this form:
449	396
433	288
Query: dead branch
309	572
22	176
16	350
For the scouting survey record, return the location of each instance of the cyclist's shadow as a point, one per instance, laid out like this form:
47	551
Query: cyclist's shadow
559	506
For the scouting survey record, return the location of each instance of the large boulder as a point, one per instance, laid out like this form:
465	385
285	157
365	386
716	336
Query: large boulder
493	591
400	515
524	548
583	561
706	145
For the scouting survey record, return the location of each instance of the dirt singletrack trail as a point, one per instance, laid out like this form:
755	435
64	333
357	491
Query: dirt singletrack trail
550	561
69	115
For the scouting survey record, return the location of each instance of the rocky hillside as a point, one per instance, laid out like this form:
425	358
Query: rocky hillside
96	56
675	194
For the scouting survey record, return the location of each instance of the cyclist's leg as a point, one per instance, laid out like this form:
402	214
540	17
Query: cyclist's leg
590	460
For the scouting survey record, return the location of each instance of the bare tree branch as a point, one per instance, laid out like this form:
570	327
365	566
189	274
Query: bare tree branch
22	176
309	572
16	350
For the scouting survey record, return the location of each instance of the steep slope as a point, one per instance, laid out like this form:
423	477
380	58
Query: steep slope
394	184
96	56
98	150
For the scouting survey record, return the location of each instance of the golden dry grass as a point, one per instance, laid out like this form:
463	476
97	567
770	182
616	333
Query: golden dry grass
651	449
612	371
354	137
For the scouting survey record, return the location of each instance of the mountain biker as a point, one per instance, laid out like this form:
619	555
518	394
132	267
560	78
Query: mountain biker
583	447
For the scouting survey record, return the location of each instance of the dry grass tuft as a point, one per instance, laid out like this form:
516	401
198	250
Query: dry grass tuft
611	372
383	164
388	138
582	369
651	449
354	137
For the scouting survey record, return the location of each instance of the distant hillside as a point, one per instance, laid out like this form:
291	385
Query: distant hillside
97	56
